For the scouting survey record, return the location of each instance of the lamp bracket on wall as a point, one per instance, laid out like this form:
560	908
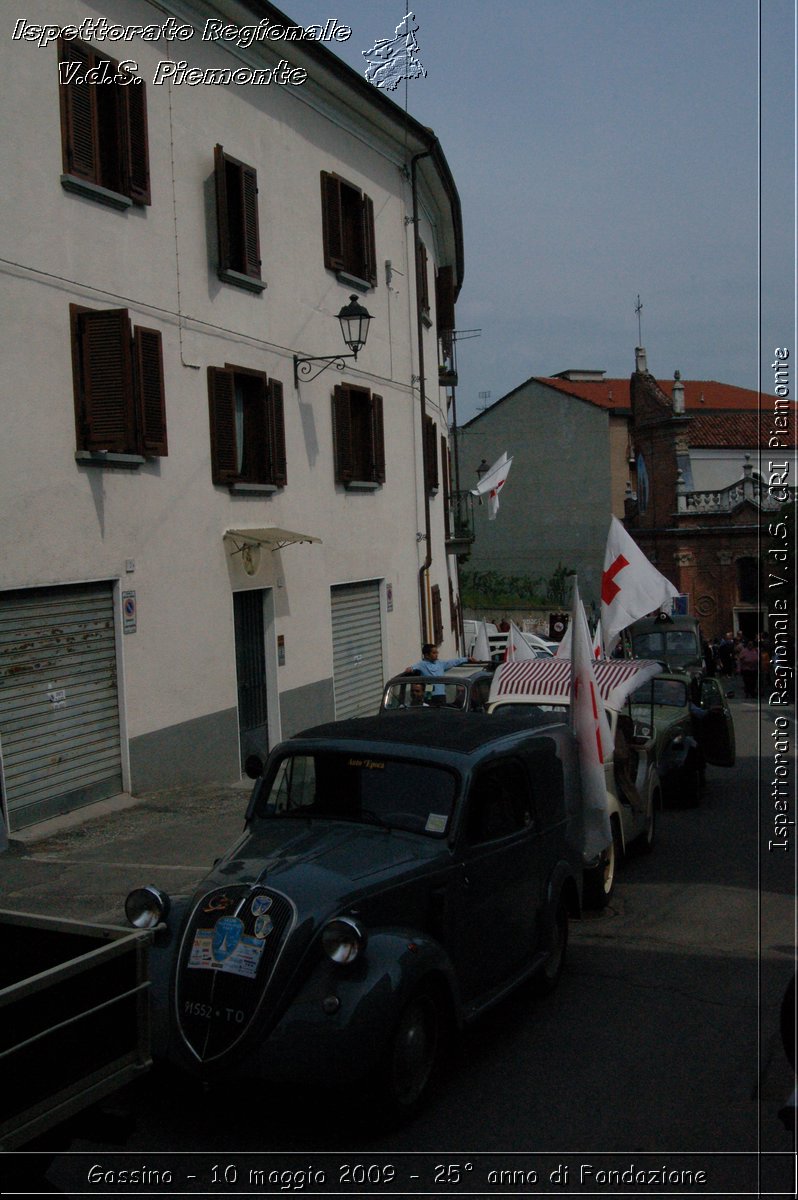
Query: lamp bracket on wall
304	370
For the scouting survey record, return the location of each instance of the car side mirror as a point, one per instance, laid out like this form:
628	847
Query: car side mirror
253	766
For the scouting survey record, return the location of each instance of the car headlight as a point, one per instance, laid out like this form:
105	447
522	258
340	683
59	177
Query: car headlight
147	907
343	939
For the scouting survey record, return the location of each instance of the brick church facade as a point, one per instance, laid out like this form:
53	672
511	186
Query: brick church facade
710	543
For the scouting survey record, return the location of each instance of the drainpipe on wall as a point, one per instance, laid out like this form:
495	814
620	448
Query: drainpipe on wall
423	574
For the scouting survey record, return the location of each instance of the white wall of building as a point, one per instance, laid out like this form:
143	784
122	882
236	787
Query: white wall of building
67	522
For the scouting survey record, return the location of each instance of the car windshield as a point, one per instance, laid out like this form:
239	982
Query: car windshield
416	692
371	789
666	644
523	708
669	693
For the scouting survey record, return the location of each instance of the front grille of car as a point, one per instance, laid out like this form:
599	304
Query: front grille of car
229	950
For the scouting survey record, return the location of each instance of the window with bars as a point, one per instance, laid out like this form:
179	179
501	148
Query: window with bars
237	221
358	438
247	428
348	229
103	127
118	384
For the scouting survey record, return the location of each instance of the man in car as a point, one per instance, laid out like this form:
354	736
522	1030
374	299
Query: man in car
431	665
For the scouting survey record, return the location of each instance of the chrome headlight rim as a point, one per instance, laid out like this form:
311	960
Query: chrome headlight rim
147	907
343	940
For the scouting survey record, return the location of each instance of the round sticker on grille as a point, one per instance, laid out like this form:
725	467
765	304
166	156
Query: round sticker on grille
263	926
261	905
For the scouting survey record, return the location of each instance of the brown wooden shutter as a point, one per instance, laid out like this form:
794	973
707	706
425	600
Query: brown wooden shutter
369	243
444	306
276	426
222	218
430	454
249	187
107	411
222	407
342	434
437	616
379	439
446	486
79	127
150	397
421	267
133	105
332	222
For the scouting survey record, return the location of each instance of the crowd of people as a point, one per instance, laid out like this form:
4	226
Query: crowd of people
749	658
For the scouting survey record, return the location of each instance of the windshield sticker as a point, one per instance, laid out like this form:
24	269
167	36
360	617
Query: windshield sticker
261	905
369	764
436	823
241	958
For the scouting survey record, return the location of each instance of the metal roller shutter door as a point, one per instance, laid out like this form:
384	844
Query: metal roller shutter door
59	708
357	649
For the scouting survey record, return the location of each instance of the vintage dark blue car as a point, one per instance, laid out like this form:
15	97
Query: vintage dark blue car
396	876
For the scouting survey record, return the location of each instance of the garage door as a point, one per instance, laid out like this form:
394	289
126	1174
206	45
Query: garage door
357	649
59	709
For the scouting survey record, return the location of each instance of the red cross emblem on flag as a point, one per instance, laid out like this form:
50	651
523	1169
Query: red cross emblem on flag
609	588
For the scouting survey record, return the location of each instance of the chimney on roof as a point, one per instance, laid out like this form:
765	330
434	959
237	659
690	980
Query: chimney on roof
678	395
641	364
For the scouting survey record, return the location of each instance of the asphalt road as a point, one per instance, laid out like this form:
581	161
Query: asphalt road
658	1053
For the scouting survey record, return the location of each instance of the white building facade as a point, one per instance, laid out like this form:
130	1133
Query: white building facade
202	552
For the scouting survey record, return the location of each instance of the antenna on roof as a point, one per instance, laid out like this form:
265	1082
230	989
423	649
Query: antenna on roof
638	310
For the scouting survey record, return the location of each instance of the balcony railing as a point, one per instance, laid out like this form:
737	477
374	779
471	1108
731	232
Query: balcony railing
725	500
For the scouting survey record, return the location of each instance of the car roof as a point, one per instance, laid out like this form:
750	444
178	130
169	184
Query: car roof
548	680
463	674
428	730
660	625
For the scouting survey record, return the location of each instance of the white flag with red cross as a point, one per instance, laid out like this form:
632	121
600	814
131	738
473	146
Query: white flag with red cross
492	483
631	586
592	731
518	648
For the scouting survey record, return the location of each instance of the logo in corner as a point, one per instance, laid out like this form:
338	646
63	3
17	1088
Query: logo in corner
393	59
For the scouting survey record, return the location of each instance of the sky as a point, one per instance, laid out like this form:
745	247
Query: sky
605	149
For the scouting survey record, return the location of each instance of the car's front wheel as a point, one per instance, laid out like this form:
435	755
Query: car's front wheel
411	1055
599	882
646	839
549	975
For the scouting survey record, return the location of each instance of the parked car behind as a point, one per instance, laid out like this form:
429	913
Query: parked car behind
632	781
396	876
691	725
464	689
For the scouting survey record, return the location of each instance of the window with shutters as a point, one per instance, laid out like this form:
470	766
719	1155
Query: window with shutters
237	221
431	456
359	444
118	384
348	230
423	283
247	429
444	309
437	616
103	127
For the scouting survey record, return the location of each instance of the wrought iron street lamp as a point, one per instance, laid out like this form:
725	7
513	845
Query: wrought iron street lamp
355	320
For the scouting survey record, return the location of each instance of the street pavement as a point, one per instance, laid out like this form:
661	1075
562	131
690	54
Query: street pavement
83	865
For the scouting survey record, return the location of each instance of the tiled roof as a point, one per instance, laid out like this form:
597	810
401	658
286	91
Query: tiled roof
700	395
736	429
